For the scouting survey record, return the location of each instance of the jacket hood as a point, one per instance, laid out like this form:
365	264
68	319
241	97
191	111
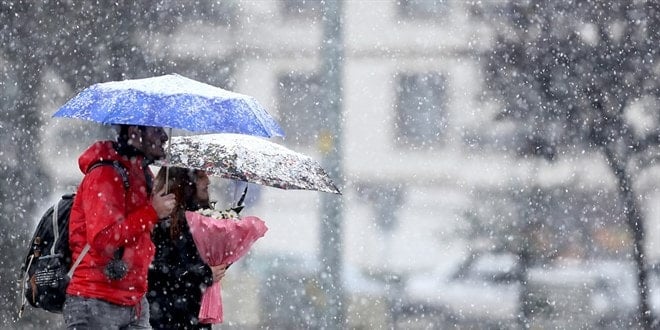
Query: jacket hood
99	151
109	151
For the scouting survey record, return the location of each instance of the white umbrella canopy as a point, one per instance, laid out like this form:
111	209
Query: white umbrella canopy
250	159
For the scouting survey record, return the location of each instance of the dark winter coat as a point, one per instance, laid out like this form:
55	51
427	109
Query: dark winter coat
107	216
177	278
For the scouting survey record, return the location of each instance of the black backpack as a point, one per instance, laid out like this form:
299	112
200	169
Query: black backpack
47	267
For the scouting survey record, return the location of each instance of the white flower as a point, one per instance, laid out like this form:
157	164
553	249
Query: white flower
217	214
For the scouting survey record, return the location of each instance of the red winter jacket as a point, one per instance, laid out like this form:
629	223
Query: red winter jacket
107	216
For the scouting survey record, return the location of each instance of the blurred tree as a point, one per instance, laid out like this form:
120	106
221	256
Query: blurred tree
84	42
23	178
582	75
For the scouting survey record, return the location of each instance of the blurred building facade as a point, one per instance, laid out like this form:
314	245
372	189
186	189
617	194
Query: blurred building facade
421	143
429	174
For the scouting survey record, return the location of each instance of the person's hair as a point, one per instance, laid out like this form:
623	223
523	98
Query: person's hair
122	132
181	183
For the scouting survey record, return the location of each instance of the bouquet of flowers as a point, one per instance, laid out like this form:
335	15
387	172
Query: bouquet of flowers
221	237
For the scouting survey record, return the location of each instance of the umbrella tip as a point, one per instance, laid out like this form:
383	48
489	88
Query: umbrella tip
335	190
237	209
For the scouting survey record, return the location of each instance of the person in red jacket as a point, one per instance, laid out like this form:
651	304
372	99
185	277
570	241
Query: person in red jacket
110	217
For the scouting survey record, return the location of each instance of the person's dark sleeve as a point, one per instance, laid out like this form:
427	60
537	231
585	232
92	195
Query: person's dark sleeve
196	271
201	274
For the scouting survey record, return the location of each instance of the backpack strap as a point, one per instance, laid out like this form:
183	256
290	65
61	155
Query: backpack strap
117	165
78	260
56	227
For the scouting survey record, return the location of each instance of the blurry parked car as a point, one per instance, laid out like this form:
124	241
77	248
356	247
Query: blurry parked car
484	290
291	296
481	290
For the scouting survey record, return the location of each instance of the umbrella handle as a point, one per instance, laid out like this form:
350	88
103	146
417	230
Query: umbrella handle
240	201
167	161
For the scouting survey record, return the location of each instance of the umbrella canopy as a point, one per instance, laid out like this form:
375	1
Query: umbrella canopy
250	159
171	101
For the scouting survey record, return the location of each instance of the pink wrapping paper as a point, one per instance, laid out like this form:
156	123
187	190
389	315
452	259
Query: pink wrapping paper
221	241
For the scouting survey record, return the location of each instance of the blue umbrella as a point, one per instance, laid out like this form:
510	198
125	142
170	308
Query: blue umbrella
172	101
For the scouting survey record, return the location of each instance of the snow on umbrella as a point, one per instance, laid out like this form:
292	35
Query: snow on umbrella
171	101
250	159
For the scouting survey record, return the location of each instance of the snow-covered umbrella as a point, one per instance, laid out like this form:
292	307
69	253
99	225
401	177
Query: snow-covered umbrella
171	101
250	159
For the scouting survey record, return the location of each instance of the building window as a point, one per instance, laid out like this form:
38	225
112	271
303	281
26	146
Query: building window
301	8
422	9
299	107
420	109
214	12
217	72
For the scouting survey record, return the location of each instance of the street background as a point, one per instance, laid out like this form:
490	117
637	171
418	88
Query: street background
464	204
